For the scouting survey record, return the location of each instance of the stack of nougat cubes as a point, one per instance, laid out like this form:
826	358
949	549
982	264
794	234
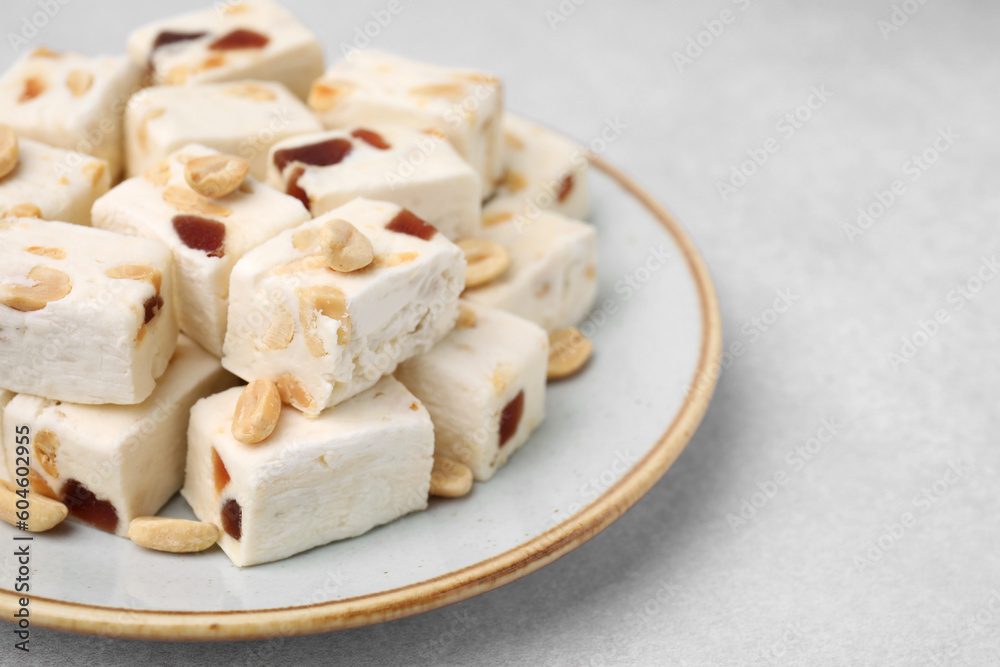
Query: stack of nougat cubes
307	298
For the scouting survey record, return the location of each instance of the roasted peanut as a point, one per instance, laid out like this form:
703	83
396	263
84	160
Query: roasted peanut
50	285
569	350
216	175
450	478
178	536
346	249
485	260
8	150
257	411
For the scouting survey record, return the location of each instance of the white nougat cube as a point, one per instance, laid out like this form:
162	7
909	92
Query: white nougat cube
312	481
160	205
70	101
86	315
112	463
324	336
464	106
243	118
255	39
61	185
484	385
552	279
542	170
393	163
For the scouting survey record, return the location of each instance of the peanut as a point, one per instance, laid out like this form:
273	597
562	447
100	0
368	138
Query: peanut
43	513
8	150
79	82
24	211
137	272
324	96
307	263
512	180
280	331
450	91
46	447
50	285
159	173
189	201
330	302
450	478
95	172
466	317
293	392
569	350
345	248
486	260
178	536
257	411
43	251
251	91
216	175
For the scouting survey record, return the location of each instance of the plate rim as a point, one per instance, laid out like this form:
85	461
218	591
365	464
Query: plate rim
445	589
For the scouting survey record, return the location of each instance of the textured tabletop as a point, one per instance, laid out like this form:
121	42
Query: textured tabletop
837	165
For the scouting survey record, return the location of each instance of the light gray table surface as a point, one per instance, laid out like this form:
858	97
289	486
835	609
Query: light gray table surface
872	398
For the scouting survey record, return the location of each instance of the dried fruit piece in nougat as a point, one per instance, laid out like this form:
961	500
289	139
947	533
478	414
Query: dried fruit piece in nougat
53	183
206	235
464	106
359	465
70	101
322	335
86	315
112	463
389	162
542	170
256	39
552	275
484	385
243	118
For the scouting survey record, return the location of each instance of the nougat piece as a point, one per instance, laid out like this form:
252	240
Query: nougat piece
242	118
393	163
322	335
112	463
86	315
312	481
53	184
484	385
206	236
70	101
552	278
255	39
542	170
464	106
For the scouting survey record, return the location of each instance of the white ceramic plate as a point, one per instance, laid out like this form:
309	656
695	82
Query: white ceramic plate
609	434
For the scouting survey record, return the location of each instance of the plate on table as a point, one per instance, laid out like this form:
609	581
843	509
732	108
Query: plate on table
610	433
